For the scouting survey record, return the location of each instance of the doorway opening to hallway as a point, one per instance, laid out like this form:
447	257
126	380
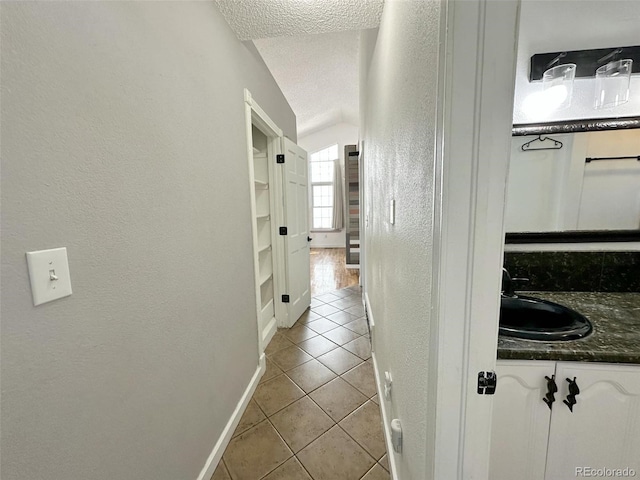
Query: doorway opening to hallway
329	271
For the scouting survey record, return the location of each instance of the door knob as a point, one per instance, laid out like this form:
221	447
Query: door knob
309	239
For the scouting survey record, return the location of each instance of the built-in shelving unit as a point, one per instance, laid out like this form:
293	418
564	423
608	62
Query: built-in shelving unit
263	228
352	184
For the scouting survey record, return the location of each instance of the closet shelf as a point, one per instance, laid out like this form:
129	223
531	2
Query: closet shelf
264	248
263	216
265	279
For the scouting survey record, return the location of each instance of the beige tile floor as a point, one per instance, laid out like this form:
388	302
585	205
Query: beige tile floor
315	413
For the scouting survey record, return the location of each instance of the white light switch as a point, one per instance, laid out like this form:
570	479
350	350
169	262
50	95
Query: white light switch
49	275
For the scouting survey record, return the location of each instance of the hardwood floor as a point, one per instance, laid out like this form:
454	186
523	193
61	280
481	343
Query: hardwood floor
328	271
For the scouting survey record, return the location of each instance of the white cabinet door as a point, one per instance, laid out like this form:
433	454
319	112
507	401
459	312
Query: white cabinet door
603	431
296	185
521	419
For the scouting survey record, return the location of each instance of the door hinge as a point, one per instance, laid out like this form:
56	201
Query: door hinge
280	158
283	230
487	382
285	298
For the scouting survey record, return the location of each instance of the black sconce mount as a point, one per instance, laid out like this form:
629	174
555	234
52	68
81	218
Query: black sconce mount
587	61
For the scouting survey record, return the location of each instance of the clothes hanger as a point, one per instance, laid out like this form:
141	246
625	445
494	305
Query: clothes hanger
557	144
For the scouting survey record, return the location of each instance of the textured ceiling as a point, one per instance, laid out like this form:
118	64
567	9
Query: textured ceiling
253	19
318	74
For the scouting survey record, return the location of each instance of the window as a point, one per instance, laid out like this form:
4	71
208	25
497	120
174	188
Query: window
322	163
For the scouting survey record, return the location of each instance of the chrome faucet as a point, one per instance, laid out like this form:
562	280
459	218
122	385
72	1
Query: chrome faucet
508	283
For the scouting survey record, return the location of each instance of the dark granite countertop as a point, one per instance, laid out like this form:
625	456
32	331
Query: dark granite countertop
616	330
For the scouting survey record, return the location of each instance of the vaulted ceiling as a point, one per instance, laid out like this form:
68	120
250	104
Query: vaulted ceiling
254	19
318	75
311	48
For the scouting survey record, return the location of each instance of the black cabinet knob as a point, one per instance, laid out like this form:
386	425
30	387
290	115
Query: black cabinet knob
573	392
552	388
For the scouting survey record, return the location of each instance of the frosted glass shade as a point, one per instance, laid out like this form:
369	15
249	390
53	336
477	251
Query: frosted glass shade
612	84
557	85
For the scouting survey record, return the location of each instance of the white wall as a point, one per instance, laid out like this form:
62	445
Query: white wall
537	186
399	149
366	48
555	26
342	134
555	190
611	189
123	139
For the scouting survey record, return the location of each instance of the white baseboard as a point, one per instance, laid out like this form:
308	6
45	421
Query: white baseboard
367	307
386	423
352	266
269	332
225	438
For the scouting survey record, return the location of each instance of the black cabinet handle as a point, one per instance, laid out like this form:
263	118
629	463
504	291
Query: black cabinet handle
552	388
309	239
573	392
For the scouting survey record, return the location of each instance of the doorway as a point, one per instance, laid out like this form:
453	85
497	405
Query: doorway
278	190
329	271
263	219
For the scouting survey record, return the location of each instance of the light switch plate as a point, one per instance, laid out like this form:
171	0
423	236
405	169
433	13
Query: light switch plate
49	275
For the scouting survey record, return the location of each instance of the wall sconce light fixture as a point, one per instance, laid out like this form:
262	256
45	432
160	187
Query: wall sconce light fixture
610	67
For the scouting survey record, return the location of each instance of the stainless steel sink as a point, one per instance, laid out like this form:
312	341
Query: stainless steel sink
536	319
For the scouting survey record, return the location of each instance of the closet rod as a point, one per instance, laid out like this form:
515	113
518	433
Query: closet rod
592	159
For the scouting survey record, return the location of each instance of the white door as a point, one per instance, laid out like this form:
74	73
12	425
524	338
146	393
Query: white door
296	216
520	422
603	431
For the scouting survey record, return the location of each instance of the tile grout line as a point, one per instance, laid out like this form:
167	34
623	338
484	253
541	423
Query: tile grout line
295	454
358	443
321	409
302	464
316	358
307	394
369	399
283	441
338	422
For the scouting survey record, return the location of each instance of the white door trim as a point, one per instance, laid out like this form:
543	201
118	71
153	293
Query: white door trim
256	116
260	118
476	85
